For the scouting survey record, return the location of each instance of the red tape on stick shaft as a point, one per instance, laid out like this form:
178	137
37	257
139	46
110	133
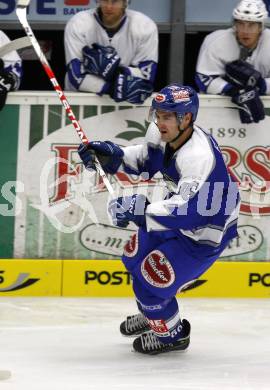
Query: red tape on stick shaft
22	16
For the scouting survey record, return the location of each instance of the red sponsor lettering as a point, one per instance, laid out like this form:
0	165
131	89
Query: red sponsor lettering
157	270
64	170
256	161
180	95
260	169
158	326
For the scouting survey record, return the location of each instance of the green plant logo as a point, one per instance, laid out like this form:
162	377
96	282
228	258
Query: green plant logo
138	131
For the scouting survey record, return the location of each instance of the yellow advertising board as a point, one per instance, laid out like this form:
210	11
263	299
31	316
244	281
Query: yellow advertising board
96	278
108	278
30	277
233	280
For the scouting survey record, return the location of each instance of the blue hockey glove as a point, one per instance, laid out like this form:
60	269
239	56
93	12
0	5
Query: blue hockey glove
243	75
251	108
261	85
128	209
109	155
100	60
131	89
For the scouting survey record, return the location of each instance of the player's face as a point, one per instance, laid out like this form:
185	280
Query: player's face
248	33
112	11
168	125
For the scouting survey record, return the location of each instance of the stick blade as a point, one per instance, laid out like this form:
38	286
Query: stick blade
16	44
23	3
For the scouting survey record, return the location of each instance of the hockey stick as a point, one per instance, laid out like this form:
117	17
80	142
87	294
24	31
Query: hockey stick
21	14
16	44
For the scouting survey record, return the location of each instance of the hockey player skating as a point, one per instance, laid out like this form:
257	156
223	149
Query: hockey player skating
236	61
179	237
10	71
112	50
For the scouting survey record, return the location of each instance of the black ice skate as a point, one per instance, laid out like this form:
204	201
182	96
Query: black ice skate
149	344
134	325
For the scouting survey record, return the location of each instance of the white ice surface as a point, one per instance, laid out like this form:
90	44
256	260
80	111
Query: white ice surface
74	344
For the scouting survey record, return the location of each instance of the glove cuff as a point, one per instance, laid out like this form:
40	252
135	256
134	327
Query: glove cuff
262	86
230	90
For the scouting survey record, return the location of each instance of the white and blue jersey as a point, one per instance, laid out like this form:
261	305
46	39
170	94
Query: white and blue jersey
187	231
136	42
12	61
221	47
203	202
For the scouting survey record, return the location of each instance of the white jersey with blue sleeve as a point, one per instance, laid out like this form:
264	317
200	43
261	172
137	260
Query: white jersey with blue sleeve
136	43
12	61
221	47
204	204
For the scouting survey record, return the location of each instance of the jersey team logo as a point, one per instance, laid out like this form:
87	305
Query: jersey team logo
131	247
157	270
